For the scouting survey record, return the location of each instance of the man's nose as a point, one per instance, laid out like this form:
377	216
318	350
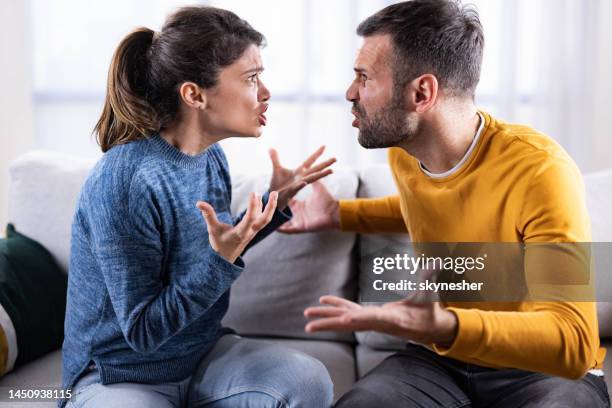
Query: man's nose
352	94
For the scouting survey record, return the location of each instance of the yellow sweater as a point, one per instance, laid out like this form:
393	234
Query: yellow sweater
517	185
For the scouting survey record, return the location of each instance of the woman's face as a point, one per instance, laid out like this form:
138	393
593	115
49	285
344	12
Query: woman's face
236	106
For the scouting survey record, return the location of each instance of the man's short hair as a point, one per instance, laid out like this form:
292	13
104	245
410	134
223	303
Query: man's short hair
440	37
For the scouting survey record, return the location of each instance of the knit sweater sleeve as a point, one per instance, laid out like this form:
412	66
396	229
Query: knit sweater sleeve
126	240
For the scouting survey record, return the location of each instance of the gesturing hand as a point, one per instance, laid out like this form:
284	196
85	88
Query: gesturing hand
319	211
424	323
288	182
229	241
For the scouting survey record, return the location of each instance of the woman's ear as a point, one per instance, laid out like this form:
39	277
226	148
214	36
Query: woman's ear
422	92
192	95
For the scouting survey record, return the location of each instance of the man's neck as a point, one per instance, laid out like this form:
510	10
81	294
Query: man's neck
444	141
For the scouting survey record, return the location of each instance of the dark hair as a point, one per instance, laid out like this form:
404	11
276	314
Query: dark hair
148	68
441	37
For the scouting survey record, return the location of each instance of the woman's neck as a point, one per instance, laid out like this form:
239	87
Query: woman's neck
188	138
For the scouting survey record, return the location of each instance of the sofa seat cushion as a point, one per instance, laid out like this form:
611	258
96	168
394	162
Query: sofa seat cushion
44	372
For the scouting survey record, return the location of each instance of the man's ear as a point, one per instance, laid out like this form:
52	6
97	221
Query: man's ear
422	92
192	95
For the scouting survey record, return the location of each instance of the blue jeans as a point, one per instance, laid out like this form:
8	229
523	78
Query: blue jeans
237	373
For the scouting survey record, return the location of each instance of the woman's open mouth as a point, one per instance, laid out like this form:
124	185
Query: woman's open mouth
262	120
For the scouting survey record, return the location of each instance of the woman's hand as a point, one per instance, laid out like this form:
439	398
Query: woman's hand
229	241
289	182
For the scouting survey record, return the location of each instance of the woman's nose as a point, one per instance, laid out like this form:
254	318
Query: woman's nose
263	93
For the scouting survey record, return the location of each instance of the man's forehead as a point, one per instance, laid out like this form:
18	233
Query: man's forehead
374	52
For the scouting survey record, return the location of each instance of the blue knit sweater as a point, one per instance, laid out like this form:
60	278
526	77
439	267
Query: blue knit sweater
146	292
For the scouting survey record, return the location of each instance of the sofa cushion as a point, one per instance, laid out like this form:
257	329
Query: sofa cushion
43	191
32	300
284	274
44	372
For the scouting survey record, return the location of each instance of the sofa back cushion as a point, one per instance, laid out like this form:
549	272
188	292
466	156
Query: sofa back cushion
43	190
284	274
599	199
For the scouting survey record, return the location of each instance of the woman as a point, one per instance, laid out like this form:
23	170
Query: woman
149	280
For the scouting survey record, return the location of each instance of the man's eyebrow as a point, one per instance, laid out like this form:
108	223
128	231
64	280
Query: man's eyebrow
360	70
253	70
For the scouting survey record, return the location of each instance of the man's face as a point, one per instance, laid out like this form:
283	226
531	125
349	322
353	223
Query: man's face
378	107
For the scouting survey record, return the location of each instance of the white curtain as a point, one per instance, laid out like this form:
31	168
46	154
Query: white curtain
546	64
16	129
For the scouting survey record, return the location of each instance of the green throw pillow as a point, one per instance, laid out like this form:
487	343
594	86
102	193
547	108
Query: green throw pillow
32	301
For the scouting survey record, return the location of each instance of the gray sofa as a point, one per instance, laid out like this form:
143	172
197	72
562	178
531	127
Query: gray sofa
284	274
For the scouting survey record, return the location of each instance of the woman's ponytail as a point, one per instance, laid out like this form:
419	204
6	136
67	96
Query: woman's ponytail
127	115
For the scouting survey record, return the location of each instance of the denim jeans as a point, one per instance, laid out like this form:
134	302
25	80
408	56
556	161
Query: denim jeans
418	377
237	373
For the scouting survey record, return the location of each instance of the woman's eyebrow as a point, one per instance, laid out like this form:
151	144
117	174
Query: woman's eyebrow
253	70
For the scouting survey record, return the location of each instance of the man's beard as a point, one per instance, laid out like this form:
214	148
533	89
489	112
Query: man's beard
387	127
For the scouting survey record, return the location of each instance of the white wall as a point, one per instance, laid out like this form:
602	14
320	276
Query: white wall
16	119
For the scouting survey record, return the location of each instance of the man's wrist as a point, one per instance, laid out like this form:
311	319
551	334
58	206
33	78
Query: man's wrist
448	325
336	224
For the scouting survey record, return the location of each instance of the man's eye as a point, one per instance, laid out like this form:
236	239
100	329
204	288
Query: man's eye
363	77
253	78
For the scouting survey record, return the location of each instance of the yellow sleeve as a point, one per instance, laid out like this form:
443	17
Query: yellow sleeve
372	215
554	337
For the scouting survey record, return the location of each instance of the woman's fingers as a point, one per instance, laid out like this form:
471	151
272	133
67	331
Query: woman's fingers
209	215
320	166
312	158
317	176
251	211
266	216
274	157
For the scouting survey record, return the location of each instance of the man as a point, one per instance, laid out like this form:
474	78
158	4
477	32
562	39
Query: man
462	176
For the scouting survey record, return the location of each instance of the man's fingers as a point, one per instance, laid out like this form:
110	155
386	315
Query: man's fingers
323	311
274	157
290	228
339	323
356	320
209	215
318	187
313	158
339	302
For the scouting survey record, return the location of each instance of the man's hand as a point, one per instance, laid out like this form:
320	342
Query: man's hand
289	182
320	211
229	241
426	323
